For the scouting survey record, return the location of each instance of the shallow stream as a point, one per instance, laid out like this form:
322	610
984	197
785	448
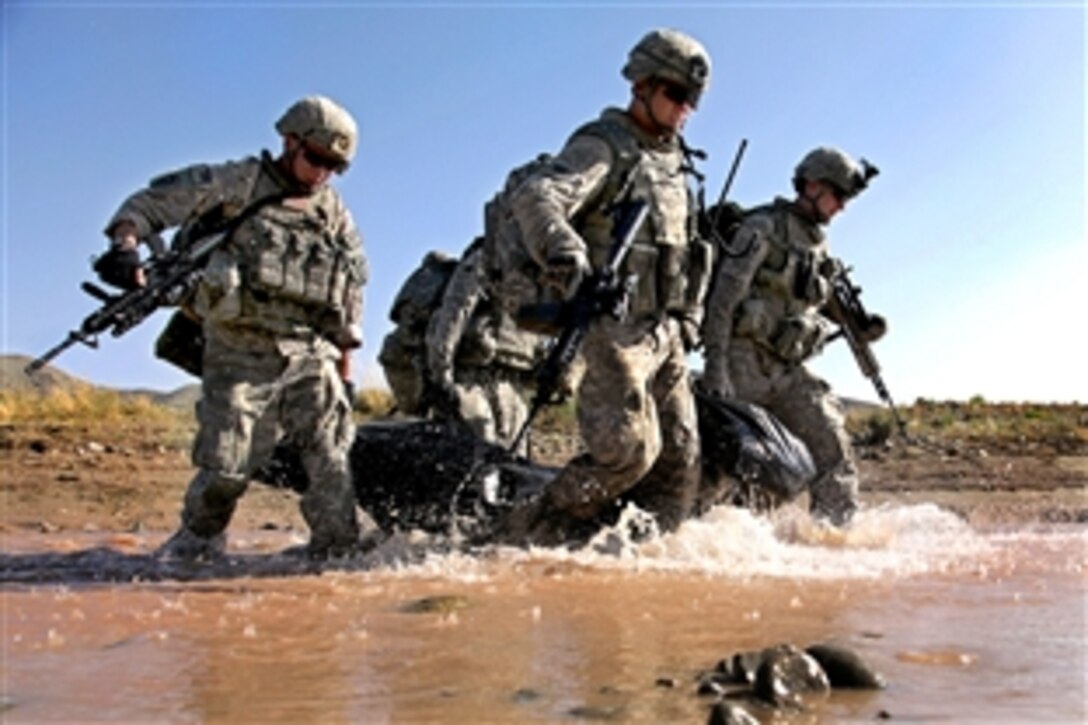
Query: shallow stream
964	625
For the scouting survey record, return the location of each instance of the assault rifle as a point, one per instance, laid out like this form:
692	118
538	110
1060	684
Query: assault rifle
860	329
170	276
603	292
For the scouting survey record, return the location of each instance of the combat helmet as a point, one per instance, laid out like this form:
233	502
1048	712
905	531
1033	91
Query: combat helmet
323	124
836	168
672	56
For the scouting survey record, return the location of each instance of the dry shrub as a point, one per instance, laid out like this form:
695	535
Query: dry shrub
373	403
84	406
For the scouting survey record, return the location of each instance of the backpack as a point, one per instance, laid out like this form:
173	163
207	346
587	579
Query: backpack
512	267
403	353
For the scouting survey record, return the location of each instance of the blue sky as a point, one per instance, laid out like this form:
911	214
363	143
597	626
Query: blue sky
971	241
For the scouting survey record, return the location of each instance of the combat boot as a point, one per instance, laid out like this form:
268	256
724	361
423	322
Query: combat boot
186	545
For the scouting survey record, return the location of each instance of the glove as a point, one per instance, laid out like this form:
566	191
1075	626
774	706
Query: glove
690	333
875	328
120	267
566	272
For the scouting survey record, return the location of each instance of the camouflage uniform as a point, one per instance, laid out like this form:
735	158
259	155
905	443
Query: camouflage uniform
280	301
476	352
764	320
636	411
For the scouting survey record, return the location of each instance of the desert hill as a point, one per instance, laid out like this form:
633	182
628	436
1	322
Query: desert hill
14	378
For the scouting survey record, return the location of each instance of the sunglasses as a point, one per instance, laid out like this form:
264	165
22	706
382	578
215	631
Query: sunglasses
320	161
680	95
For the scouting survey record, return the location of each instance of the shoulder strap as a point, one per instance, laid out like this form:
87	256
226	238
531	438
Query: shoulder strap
625	150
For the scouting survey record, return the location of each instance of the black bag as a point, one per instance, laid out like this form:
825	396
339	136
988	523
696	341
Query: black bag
744	442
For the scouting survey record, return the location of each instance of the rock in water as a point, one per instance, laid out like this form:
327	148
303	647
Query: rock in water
788	677
730	713
845	668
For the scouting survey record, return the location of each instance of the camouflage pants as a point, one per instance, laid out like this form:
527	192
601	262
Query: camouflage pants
807	407
492	403
251	400
637	417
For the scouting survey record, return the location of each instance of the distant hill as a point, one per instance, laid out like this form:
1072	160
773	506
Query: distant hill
13	376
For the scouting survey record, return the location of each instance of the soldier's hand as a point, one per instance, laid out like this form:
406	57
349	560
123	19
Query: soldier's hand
875	327
690	333
566	271
717	385
120	267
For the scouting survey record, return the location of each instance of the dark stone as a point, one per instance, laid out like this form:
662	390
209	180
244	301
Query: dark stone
710	686
744	665
589	712
666	682
730	713
788	677
440	604
526	694
845	668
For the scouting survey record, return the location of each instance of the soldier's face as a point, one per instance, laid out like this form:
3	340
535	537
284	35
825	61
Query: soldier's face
671	105
308	166
828	200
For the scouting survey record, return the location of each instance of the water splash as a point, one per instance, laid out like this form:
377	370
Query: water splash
881	542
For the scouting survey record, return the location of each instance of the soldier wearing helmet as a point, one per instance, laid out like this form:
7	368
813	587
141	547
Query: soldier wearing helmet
635	407
765	319
272	324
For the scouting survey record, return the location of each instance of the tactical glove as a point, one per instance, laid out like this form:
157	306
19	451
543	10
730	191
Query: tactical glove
690	333
566	271
875	327
119	267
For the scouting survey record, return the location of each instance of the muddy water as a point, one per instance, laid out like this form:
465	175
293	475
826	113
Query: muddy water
965	626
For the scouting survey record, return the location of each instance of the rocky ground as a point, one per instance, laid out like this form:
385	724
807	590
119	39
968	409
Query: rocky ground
72	477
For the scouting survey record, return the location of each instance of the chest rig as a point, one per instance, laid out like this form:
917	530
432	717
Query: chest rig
782	310
669	261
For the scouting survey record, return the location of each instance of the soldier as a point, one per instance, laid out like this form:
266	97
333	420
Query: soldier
635	407
477	357
280	309
764	320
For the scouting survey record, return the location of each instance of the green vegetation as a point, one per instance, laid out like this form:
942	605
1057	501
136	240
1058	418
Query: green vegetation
1036	428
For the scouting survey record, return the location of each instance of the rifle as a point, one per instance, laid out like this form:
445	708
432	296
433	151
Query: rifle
600	293
859	328
171	277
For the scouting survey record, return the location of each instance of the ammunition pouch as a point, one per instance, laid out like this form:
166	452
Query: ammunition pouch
668	279
181	343
793	339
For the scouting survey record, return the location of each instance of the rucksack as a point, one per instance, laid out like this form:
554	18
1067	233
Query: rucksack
511	266
403	353
422	292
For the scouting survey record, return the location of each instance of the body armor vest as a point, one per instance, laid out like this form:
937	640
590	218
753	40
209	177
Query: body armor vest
670	263
782	310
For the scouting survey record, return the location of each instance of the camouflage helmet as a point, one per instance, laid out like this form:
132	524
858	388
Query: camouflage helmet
672	56
323	124
834	167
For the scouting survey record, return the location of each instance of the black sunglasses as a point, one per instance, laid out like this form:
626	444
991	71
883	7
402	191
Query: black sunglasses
840	194
320	161
680	95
